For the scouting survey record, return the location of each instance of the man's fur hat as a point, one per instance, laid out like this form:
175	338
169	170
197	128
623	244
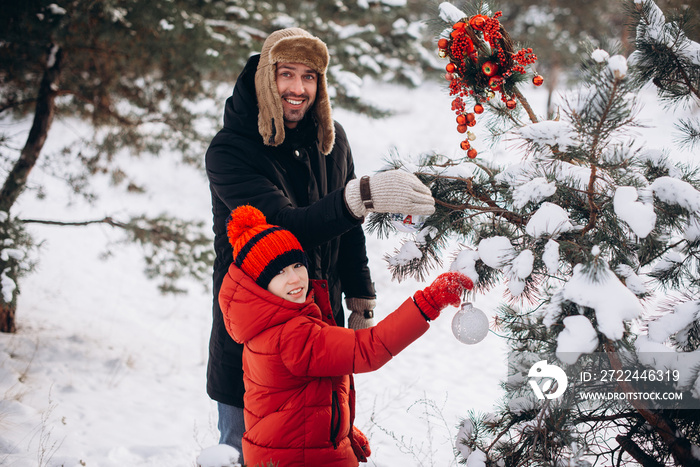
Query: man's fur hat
292	45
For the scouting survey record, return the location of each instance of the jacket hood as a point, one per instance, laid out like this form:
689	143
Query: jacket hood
253	309
241	109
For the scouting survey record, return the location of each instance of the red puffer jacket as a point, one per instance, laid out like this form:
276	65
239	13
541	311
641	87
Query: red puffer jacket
297	367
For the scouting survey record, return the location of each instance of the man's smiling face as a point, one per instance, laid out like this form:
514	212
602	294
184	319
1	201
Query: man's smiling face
297	84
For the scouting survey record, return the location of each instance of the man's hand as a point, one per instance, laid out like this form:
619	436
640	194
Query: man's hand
393	191
362	312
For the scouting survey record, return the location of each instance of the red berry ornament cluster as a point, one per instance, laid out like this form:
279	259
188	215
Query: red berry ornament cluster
482	63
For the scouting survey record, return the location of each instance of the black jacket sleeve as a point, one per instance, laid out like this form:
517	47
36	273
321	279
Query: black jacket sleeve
237	177
352	257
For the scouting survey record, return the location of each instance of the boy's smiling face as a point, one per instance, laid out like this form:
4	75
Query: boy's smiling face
291	283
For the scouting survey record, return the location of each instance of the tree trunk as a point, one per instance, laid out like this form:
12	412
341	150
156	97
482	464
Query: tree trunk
43	116
636	452
552	83
7	317
17	178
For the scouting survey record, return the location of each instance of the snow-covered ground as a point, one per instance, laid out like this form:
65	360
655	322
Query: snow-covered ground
106	372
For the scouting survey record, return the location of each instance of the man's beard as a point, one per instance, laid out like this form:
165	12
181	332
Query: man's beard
296	115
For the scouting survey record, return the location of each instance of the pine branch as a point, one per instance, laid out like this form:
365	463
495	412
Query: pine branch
107	220
122	120
597	136
14	104
691	133
172	248
680	447
685	79
644	459
481	209
608	418
500	435
493	207
526	105
594	209
674	48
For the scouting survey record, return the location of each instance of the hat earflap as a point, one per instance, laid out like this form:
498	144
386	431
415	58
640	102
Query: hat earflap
324	117
270	112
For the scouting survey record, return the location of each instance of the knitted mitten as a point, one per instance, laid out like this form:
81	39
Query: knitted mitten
360	445
362	312
445	290
391	191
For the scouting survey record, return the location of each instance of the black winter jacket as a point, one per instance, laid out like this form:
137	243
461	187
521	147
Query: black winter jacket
296	187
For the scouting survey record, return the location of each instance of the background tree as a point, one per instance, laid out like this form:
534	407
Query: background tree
132	71
562	30
137	74
559	30
583	229
384	40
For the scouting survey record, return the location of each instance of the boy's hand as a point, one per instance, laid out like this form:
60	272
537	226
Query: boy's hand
360	445
446	290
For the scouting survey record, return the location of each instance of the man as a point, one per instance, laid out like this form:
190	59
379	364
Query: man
281	151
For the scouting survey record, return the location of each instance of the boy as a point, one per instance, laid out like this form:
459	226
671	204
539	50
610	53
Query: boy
297	364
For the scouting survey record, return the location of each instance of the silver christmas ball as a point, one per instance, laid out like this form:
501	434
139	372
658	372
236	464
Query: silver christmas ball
470	325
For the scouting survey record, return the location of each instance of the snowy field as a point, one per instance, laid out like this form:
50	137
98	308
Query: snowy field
105	372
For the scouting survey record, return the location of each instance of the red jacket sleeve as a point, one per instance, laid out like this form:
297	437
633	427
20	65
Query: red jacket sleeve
308	348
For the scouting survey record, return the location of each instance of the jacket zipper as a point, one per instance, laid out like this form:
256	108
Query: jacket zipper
335	424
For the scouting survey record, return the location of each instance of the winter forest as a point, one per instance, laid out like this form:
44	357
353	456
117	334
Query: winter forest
559	140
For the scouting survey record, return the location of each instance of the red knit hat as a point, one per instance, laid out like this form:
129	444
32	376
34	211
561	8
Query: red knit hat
261	250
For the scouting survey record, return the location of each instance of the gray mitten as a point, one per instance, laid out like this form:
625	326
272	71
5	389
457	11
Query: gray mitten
362	315
395	191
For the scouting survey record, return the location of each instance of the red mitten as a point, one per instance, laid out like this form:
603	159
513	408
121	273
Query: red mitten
446	290
360	445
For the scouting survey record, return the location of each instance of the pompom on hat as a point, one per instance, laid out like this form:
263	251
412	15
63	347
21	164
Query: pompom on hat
261	250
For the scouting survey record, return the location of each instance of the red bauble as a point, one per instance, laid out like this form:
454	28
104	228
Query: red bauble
461	119
450	67
465	144
478	108
477	22
471	153
470	117
442	43
537	80
495	82
462	128
489	69
510	103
